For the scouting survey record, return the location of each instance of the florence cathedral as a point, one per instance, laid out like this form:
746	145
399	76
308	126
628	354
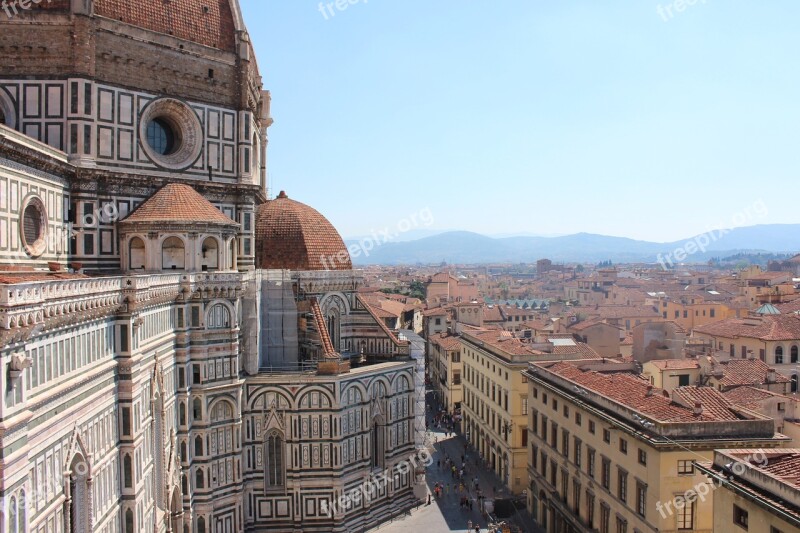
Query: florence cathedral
181	352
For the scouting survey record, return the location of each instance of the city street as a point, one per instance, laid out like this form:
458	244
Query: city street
445	513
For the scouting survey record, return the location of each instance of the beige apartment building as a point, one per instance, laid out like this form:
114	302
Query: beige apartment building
672	373
611	453
755	490
495	408
774	339
445	370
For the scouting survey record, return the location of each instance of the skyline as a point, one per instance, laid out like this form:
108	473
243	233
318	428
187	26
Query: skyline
402	108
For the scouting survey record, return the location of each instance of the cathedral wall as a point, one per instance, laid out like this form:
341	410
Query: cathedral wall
101	123
21	186
63	405
328	428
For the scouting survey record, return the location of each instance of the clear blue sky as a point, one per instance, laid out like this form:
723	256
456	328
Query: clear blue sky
512	116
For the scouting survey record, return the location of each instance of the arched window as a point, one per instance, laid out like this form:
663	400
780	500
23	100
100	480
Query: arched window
222	411
198	478
209	258
275	460
184	484
779	355
128	521
183	451
201	525
12	515
219	317
793	353
378	444
21	512
334	330
136	254
127	469
198	446
173	254
197	409
182	413
80	497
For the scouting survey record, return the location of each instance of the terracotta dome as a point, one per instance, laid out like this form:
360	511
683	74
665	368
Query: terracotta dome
293	236
209	23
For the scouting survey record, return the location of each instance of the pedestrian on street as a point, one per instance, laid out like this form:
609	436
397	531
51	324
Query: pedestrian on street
477	528
469	525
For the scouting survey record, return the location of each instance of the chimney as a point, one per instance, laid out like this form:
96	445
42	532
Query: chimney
771	375
698	408
649	390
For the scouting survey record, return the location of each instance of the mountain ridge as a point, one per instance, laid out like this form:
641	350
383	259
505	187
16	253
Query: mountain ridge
471	247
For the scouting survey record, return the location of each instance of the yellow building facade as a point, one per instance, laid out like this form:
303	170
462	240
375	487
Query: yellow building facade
752	491
610	453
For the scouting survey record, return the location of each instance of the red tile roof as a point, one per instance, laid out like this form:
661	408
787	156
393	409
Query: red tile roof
492	314
579	348
738	372
632	391
622	311
293	236
767	327
676	364
446	341
206	22
381	324
178	203
784	467
748	396
328	350
27	277
505	343
712	401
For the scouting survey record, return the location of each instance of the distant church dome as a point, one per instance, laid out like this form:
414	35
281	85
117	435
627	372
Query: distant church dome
293	236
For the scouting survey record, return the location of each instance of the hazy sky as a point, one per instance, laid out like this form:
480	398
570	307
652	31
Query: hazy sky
509	116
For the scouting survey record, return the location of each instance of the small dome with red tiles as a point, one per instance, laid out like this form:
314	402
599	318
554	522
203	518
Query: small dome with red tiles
293	236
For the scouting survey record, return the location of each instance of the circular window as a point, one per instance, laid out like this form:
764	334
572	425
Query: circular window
33	228
171	133
161	137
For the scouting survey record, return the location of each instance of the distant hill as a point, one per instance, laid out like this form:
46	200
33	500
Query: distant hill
468	247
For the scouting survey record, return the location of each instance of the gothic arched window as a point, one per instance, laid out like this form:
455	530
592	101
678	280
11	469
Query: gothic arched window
219	317
378	444
275	467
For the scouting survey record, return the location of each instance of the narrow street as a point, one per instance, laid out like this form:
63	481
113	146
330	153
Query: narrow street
445	513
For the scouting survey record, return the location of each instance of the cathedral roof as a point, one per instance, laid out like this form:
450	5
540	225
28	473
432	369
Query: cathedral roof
293	236
207	22
178	203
